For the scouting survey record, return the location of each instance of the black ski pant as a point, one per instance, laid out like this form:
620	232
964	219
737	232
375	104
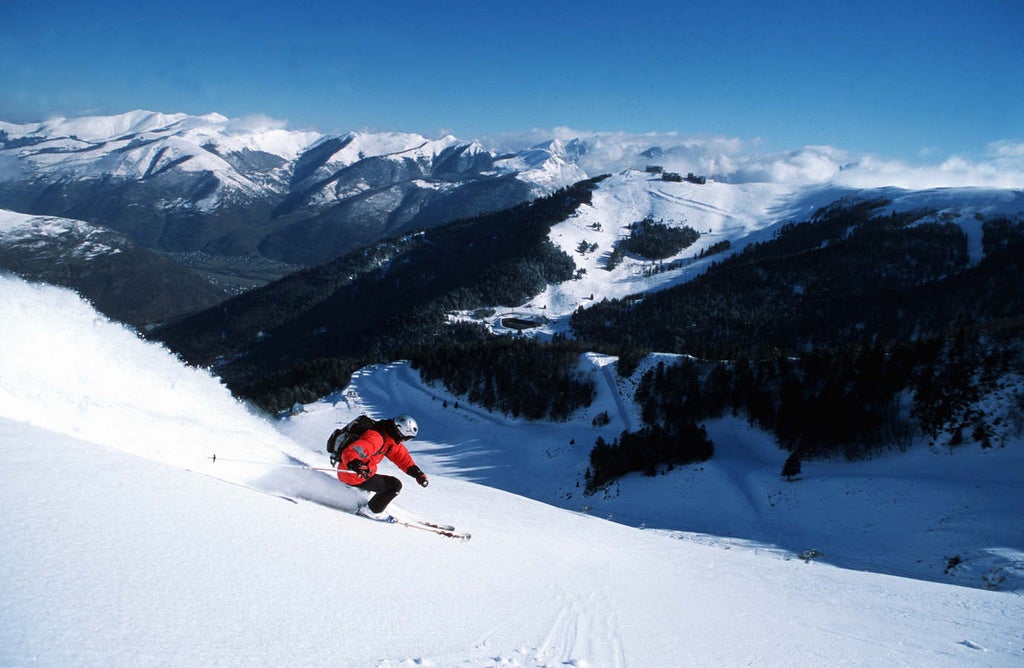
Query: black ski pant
385	489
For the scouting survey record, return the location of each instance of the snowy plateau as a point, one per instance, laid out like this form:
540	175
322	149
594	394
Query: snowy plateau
126	545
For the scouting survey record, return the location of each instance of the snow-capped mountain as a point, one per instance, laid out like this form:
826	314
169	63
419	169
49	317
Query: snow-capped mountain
143	144
125	544
176	182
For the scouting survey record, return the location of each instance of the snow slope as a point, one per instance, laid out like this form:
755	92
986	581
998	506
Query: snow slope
19	227
902	514
739	213
124	545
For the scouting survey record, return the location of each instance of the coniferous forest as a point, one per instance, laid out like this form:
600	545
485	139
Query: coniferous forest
840	336
515	375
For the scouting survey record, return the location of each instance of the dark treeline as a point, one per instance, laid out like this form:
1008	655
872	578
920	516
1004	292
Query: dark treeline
651	240
648	450
845	277
515	375
845	334
287	342
851	402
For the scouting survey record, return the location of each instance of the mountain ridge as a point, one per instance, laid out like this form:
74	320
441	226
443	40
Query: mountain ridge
180	183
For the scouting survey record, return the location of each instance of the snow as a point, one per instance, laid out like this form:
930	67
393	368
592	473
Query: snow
545	166
125	545
101	128
400	145
141	143
11	221
19	227
939	504
740	213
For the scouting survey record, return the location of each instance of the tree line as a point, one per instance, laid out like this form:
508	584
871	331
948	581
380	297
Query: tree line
652	240
284	343
515	375
843	336
822	282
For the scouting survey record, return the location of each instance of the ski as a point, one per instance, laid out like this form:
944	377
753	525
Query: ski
434	528
445	530
441	527
402	514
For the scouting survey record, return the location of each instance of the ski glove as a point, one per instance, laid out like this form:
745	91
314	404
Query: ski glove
420	476
360	469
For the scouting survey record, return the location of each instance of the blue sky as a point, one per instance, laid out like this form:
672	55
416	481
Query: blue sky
908	80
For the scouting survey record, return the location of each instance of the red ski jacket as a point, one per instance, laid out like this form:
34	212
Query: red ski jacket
371	448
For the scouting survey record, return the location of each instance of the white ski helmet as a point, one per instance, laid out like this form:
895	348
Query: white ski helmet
406	426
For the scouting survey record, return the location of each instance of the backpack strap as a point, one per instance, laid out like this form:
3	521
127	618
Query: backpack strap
343	436
332	443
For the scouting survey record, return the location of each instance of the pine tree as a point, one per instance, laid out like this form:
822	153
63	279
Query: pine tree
792	466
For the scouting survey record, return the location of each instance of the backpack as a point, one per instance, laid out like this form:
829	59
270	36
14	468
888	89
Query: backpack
342	437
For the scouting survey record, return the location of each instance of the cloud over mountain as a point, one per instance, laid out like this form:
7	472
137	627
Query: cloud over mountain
736	160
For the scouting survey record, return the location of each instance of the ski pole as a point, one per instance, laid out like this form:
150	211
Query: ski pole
214	459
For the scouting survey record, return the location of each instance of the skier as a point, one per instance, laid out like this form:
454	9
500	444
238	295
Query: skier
357	463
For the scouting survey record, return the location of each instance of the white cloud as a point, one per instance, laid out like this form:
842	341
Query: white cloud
1007	149
811	164
1004	171
255	123
738	161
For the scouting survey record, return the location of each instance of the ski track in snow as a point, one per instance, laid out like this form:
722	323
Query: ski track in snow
625	415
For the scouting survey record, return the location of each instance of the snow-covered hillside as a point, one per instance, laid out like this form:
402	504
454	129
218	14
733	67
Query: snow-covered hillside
737	213
126	282
125	545
88	241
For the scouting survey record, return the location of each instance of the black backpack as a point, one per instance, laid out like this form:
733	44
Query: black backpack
342	437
